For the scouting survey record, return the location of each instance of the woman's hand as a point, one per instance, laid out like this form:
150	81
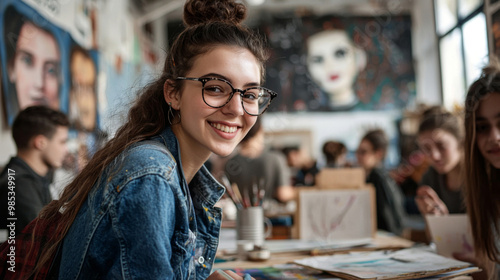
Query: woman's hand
219	275
428	202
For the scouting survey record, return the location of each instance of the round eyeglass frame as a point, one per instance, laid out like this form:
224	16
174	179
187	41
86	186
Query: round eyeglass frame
204	80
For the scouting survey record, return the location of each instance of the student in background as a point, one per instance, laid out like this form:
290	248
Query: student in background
305	166
335	153
143	207
254	163
440	137
389	198
40	134
482	165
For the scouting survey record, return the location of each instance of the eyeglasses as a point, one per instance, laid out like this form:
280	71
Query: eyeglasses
218	92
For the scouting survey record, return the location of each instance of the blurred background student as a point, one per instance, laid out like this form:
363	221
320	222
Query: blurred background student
482	153
303	166
389	198
335	154
255	164
40	134
440	137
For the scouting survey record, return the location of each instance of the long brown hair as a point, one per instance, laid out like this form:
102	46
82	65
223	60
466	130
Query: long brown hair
482	190
208	24
437	117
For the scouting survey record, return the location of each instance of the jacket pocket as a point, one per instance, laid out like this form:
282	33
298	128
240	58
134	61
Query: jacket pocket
183	250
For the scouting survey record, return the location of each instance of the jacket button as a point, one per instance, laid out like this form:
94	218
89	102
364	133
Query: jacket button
201	259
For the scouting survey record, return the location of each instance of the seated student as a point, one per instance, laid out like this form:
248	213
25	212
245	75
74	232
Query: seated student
440	137
40	134
482	188
298	159
254	163
143	207
335	154
389	198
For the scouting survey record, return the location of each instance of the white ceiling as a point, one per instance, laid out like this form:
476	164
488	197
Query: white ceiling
150	10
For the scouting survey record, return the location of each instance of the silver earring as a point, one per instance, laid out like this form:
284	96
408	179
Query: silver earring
170	113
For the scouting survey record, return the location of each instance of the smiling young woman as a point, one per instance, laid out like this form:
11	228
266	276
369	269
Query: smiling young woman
482	154
143	207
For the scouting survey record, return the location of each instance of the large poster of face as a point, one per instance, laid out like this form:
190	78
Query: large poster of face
333	63
31	53
495	33
83	91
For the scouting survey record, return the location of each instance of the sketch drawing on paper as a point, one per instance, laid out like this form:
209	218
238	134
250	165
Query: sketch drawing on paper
323	226
331	215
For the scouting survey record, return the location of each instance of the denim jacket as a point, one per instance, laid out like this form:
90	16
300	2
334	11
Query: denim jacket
142	221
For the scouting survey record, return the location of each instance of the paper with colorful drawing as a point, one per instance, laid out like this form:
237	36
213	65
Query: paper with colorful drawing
403	264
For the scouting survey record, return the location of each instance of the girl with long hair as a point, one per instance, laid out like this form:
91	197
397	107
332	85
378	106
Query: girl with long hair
440	137
482	154
143	207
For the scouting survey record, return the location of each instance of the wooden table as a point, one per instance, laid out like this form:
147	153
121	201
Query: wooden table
381	242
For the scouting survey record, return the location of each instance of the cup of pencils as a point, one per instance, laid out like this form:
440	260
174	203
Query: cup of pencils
251	225
250	220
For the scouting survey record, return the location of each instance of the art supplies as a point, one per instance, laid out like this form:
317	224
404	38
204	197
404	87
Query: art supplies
225	275
242	199
285	271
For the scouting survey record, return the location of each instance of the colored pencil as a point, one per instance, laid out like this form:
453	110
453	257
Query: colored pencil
237	192
225	275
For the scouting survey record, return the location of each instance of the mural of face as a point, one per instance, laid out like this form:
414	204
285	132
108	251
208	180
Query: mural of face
334	62
83	99
35	71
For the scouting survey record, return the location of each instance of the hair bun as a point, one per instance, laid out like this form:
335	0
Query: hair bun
204	11
492	69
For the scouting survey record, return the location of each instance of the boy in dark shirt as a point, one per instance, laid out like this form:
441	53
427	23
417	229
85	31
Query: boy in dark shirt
40	134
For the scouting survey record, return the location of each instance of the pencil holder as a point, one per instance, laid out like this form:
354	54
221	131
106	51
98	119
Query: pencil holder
250	225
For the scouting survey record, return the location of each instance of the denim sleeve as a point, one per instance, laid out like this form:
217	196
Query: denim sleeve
144	222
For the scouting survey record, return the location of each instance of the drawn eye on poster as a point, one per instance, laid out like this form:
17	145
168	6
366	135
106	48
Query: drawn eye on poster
336	214
333	63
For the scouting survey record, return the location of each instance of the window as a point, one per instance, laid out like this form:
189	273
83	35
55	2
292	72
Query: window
463	47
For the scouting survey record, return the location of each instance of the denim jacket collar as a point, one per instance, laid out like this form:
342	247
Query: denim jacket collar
200	190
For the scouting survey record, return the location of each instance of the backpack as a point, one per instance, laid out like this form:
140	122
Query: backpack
14	260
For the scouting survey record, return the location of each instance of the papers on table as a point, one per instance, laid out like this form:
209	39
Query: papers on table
297	245
227	243
402	264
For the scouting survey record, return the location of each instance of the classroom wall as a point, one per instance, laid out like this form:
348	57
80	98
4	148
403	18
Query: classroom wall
349	127
120	88
426	53
7	146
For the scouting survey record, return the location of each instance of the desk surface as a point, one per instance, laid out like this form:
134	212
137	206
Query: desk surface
380	241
